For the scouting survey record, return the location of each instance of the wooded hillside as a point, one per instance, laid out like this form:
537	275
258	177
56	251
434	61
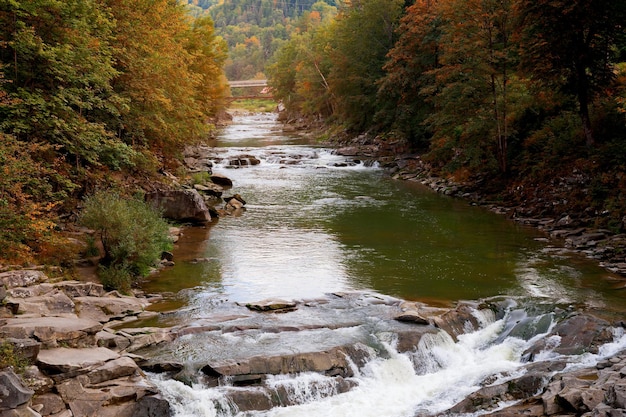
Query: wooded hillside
90	89
513	95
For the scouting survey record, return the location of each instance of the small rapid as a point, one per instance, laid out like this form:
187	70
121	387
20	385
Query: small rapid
430	379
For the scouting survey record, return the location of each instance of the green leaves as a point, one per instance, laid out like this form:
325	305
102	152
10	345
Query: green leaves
132	234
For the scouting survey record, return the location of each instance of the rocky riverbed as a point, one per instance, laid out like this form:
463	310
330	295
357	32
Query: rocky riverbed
84	360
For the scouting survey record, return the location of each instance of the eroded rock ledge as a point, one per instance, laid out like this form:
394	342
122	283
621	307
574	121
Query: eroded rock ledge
82	364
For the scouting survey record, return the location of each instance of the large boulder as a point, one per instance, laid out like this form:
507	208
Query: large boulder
577	334
13	393
221	180
69	361
54	303
180	205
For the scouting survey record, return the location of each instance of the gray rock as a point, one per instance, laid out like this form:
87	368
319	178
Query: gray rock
22	278
75	289
180	205
412	317
50	403
152	406
221	180
13	393
332	362
111	307
21	411
37	381
67	360
55	303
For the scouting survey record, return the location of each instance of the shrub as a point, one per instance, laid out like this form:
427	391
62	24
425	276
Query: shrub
132	233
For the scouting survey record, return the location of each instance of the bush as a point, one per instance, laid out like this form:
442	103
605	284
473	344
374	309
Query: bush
133	236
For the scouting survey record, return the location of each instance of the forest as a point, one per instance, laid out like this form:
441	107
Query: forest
93	93
509	95
503	94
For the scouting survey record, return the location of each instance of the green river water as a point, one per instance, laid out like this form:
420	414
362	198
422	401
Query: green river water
314	226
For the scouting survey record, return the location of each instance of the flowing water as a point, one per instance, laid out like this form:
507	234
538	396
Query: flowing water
317	224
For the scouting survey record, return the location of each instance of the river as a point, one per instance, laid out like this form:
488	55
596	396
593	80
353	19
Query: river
318	224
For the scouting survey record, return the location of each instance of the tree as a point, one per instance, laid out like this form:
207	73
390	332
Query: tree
363	35
472	81
57	59
404	92
570	46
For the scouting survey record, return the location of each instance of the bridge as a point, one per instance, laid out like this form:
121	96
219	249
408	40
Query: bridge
247	83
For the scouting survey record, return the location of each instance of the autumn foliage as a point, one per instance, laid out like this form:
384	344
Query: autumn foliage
504	91
90	88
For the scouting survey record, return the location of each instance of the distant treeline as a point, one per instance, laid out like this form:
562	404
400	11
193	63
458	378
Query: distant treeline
255	29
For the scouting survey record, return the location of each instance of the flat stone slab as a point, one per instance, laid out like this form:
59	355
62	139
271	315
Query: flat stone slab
272	305
104	309
68	360
51	330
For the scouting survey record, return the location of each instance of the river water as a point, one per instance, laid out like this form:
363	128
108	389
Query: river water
316	224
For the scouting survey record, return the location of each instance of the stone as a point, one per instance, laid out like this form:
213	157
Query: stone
37	381
180	205
75	289
13	393
592	397
112	341
30	291
22	278
459	321
68	360
273	305
52	331
332	362
152	406
55	303
51	403
111	307
579	334
412	317
209	189
155	337
616	395
113	369
21	411
221	180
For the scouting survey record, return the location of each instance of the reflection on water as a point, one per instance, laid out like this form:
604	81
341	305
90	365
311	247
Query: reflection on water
318	223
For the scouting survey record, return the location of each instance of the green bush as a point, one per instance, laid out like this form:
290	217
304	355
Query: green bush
133	235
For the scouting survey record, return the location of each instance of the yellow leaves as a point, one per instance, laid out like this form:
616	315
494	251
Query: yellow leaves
252	41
